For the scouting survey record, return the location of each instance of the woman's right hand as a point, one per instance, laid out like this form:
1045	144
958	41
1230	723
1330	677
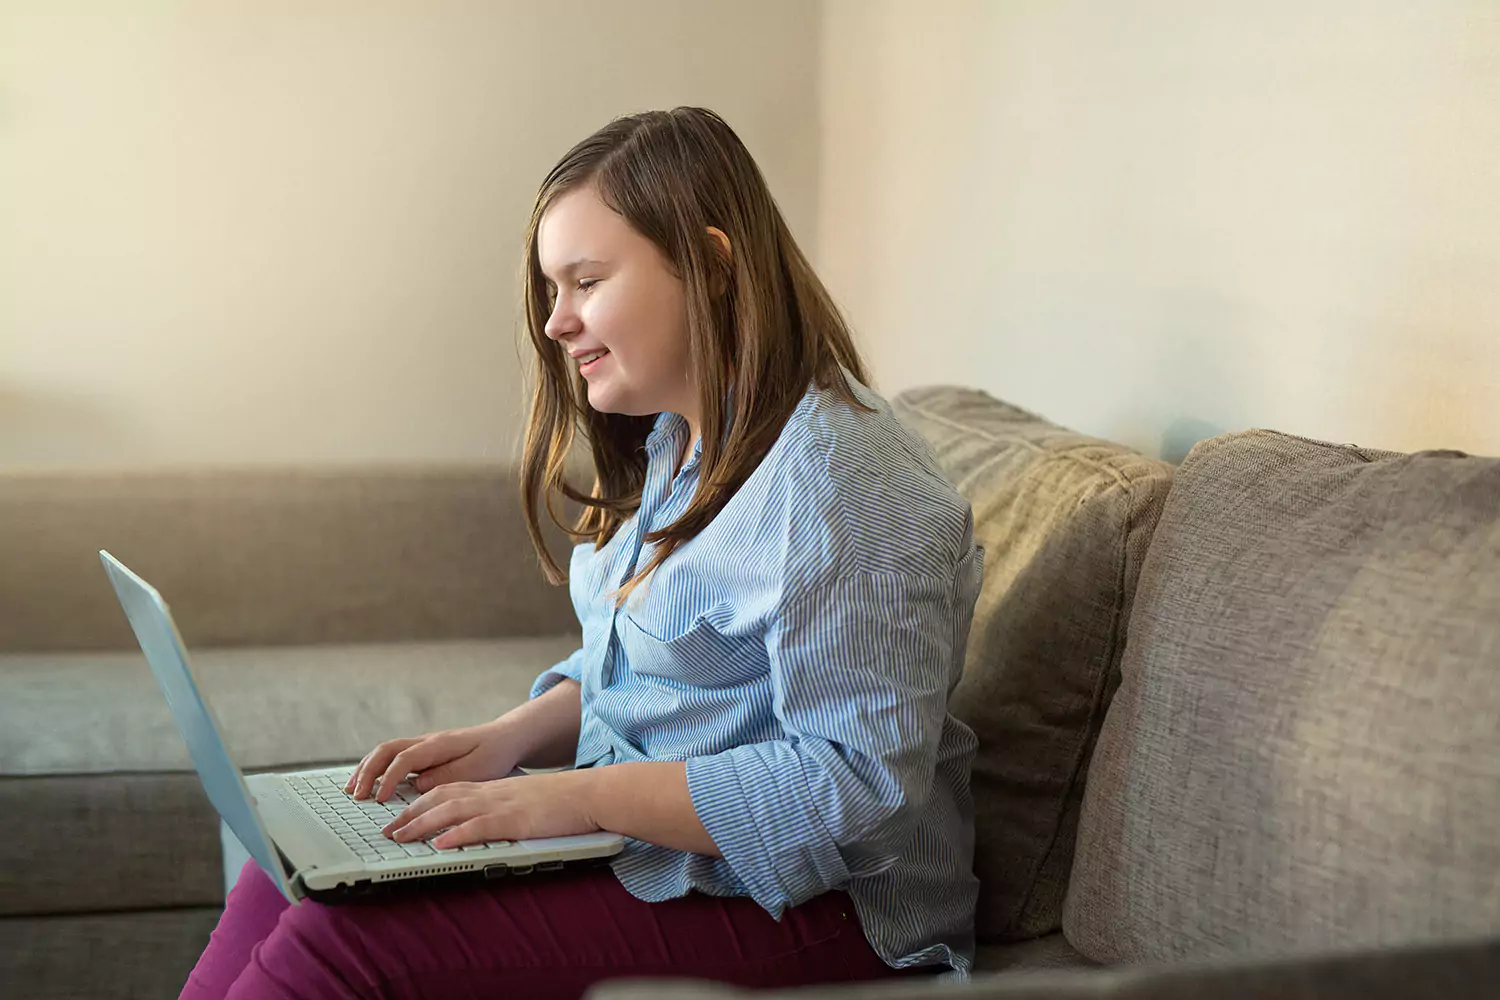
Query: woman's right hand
475	753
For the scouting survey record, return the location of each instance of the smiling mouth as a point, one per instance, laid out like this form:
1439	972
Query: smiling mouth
589	362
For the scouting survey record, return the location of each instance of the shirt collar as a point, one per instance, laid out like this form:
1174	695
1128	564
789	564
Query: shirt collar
666	437
670	428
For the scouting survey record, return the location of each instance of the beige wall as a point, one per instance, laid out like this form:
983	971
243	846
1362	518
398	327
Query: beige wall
233	234
245	232
1156	220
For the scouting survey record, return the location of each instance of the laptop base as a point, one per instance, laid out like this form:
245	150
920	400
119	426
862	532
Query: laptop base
492	875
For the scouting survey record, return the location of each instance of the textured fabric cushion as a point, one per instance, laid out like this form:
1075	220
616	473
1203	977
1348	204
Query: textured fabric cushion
274	556
1304	752
102	956
98	843
1064	520
1051	951
84	713
87	748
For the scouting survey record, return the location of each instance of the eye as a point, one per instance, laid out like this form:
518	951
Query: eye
587	283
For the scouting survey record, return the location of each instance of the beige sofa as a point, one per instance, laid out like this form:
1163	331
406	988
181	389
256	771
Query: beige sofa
1239	720
325	610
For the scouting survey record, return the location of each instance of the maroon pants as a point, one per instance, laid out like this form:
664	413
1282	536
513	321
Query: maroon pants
551	936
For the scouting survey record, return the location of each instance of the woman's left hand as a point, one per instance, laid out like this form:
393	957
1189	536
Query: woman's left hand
519	808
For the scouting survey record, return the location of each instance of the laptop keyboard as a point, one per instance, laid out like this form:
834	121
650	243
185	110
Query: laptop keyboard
358	824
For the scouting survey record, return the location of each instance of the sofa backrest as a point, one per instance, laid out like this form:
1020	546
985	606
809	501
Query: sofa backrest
1064	520
1304	752
273	556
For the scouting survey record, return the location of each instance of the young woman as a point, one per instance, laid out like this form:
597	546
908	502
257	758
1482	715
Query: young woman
775	587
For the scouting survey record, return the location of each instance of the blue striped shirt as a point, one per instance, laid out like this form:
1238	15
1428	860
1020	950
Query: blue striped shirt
798	654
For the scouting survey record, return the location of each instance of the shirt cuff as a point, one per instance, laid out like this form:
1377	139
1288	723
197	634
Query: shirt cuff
572	668
755	805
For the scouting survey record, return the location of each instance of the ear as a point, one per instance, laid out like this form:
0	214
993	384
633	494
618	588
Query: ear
726	255
721	243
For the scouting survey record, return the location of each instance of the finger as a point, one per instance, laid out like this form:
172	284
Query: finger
450	813
366	776
474	831
443	774
417	808
359	769
359	774
376	763
414	756
354	775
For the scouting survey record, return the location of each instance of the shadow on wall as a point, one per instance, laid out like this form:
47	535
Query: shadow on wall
1184	432
59	429
1204	341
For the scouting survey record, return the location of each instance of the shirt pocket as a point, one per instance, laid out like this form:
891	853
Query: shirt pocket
698	656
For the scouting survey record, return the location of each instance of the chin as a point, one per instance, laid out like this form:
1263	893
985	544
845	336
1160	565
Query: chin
604	401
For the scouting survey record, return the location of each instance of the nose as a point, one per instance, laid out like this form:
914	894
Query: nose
563	322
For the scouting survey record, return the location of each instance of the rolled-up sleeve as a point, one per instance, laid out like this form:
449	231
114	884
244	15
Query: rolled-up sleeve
861	670
571	667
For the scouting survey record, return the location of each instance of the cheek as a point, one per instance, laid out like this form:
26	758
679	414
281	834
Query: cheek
669	326
648	329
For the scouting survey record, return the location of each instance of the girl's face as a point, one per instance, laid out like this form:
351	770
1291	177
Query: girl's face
618	310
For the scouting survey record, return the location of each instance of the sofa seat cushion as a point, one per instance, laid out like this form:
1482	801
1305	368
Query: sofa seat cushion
89	750
1304	753
1064	520
1051	951
87	713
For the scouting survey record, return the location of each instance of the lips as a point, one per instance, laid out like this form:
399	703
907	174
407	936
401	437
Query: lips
590	362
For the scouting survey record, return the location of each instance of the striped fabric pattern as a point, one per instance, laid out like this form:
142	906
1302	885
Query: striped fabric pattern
798	655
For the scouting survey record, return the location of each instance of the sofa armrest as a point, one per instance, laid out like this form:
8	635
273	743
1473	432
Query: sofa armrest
1434	972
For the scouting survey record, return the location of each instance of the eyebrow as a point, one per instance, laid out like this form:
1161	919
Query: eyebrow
572	266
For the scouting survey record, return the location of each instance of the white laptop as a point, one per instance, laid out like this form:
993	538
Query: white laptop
309	837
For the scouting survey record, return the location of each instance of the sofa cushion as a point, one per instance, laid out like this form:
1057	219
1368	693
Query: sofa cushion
103	956
1051	951
88	747
1304	752
1064	520
274	556
104	842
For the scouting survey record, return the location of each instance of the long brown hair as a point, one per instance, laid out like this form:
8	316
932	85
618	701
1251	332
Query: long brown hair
760	324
